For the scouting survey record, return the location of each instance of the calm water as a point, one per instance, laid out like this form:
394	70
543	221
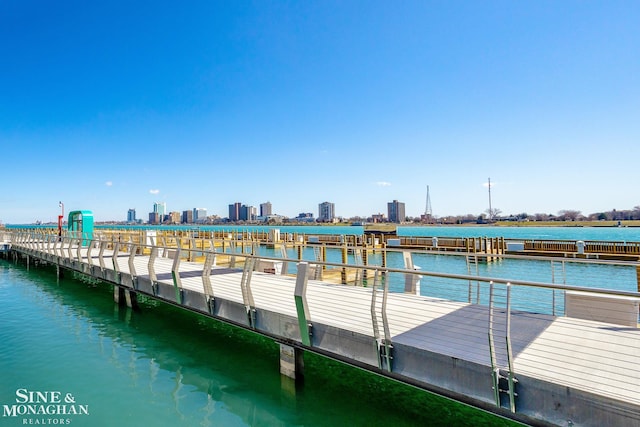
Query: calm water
162	366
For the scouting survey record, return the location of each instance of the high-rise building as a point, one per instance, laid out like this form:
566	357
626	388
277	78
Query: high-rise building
199	214
160	208
395	211
247	213
234	211
187	217
173	217
131	215
154	218
326	212
265	209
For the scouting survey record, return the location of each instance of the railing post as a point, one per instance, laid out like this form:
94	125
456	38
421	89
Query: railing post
101	254
92	245
511	377
302	307
206	279
114	257
247	295
133	248
175	273
152	271
384	345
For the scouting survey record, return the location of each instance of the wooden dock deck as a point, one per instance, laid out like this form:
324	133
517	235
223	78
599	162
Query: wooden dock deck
567	369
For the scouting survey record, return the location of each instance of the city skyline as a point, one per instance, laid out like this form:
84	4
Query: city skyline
109	106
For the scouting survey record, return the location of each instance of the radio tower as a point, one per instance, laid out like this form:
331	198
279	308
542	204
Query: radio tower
427	209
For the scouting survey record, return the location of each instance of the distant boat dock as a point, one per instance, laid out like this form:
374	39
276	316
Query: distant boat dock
543	353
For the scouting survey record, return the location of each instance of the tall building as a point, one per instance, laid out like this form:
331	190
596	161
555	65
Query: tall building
395	211
234	211
154	218
131	215
326	212
265	209
187	217
160	208
247	213
174	217
199	214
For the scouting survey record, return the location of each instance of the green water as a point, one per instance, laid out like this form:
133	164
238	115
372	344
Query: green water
163	366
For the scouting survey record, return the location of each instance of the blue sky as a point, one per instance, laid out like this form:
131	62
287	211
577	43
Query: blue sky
115	105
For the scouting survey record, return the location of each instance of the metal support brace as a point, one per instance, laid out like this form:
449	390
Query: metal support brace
302	308
101	254
69	249
206	279
163	242
247	295
175	274
384	345
511	375
133	248
59	248
90	248
497	373
151	267
114	257
79	252
47	247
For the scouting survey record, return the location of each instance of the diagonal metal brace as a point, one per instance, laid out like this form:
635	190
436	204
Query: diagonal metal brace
302	307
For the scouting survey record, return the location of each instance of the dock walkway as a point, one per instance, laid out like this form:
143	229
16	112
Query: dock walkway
549	370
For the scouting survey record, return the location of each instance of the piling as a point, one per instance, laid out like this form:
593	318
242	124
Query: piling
365	262
343	272
291	362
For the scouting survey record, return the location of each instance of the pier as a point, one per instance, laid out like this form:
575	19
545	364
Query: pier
537	352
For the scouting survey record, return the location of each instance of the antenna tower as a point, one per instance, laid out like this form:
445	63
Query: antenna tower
427	209
490	210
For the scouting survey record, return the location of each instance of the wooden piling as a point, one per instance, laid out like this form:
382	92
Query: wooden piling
345	259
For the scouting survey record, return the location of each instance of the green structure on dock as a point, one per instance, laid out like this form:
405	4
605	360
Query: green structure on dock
80	225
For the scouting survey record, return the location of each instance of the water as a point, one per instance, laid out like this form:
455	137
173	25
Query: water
163	366
611	234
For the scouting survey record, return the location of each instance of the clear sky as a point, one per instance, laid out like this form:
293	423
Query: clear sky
116	104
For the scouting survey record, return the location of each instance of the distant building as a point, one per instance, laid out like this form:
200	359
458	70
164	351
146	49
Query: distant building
160	208
234	211
377	218
173	218
131	215
395	211
326	212
265	209
199	214
305	217
187	217
247	213
154	218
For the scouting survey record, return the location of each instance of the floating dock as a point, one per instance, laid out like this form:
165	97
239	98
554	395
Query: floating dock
578	368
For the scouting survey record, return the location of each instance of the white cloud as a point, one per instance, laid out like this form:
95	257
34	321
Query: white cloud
383	184
154	191
108	183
